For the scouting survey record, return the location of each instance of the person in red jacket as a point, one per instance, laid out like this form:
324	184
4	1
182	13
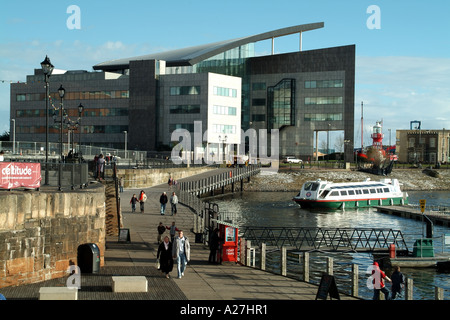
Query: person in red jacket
378	282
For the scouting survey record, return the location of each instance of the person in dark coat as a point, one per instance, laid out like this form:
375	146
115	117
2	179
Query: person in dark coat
213	246
163	200
165	256
398	282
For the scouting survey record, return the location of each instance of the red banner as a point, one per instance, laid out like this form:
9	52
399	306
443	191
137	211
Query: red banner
20	175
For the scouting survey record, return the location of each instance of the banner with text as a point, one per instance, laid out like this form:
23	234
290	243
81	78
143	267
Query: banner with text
20	175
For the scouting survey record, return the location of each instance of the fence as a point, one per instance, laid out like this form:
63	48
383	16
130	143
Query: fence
302	266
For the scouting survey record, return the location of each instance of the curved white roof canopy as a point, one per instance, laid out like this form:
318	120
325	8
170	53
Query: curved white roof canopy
193	55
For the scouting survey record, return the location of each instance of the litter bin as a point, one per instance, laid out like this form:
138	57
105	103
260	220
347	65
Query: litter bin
88	257
423	248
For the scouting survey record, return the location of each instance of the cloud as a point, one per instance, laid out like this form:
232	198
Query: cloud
398	90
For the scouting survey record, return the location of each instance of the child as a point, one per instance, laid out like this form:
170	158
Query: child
133	203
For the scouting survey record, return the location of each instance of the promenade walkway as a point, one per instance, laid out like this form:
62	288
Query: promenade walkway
202	281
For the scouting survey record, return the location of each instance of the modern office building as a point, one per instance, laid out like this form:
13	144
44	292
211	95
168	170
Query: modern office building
224	85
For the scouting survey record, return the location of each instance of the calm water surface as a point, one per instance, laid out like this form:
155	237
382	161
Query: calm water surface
277	209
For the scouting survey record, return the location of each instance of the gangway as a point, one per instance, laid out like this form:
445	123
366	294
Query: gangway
326	239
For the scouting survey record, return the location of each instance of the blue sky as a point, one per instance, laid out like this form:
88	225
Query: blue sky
402	69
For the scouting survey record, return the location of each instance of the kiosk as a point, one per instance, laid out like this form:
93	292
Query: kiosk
228	233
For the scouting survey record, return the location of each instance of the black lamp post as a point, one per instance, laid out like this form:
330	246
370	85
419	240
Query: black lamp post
61	92
47	68
80	112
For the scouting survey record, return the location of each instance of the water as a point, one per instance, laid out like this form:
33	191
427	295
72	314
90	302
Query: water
277	209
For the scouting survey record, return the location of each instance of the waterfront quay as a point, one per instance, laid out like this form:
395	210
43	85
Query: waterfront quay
202	280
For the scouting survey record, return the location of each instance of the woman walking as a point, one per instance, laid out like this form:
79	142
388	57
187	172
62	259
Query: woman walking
165	256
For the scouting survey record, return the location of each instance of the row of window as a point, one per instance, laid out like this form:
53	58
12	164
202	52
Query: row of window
90	112
324	84
81	95
184	90
323	116
84	129
185	109
224	128
225	92
323	100
359	191
310	84
228	111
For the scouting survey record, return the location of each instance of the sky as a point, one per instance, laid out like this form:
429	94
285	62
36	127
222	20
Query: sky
402	47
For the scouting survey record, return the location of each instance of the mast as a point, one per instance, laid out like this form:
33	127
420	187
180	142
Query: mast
362	128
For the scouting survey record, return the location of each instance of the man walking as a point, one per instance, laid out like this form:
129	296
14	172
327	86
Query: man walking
181	251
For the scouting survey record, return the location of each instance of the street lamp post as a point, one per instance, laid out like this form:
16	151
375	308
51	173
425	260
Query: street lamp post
61	92
80	112
14	136
47	68
126	140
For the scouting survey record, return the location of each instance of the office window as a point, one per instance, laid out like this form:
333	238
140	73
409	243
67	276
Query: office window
256	86
184	90
225	92
312	84
281	104
185	109
323	100
229	111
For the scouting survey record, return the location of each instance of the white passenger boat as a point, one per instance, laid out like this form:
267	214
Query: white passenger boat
327	194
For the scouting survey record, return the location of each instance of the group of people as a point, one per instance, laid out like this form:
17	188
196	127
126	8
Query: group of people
141	199
397	280
178	249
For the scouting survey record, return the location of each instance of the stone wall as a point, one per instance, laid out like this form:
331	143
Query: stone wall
145	178
40	232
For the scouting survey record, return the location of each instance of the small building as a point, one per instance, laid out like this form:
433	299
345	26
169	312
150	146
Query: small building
423	146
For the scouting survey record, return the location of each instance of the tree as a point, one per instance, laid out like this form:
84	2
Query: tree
4	136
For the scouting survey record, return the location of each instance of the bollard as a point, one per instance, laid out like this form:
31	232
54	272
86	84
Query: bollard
263	257
283	261
355	276
409	289
330	266
306	266
248	245
438	293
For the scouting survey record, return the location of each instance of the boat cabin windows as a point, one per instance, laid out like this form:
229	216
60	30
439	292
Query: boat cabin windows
386	189
365	191
334	193
358	191
351	192
311	186
379	190
343	193
373	191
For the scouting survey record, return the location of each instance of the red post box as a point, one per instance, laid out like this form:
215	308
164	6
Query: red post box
229	248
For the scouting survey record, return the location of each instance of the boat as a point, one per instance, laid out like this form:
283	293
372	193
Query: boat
345	195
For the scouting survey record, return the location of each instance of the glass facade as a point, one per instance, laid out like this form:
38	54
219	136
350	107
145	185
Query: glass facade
80	95
312	84
281	104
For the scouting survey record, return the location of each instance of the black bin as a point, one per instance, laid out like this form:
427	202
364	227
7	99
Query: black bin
88	257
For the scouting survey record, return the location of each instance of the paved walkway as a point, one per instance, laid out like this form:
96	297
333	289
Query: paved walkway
202	281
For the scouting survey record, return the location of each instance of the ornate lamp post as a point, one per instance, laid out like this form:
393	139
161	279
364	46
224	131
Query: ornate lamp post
47	68
61	92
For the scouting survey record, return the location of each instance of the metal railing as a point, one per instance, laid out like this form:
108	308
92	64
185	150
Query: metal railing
331	239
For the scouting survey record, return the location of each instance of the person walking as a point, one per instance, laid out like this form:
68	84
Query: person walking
142	199
378	282
163	201
174	202
181	250
164	256
398	282
173	229
121	184
101	167
213	246
133	203
161	229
